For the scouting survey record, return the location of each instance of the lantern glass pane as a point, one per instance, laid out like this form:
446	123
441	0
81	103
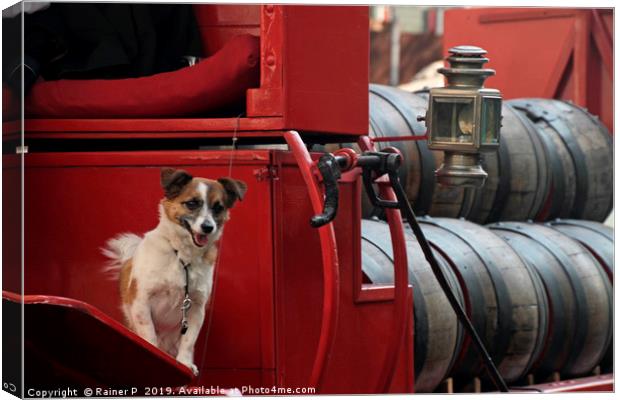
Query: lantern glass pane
453	120
490	120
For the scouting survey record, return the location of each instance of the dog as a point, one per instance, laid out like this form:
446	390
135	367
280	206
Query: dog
166	277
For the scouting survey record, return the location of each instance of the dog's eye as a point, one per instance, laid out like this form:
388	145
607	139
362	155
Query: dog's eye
217	208
193	204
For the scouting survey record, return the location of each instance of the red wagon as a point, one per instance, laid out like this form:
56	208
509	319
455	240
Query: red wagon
291	311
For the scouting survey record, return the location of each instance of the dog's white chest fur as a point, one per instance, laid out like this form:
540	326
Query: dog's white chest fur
158	265
168	294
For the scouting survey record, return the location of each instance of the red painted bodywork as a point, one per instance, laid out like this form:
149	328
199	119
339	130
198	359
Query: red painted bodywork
267	305
543	52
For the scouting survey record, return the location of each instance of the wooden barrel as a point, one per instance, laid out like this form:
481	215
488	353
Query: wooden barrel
581	157
503	297
518	181
438	335
596	237
599	240
578	293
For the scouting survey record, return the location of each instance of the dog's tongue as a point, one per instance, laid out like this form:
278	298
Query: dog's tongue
201	240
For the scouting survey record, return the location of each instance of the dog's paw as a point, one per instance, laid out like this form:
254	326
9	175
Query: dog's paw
193	367
189	364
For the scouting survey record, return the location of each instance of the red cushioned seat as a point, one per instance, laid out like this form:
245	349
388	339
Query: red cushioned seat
216	82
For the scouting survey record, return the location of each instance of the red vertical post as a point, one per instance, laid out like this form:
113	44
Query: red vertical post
399	249
581	53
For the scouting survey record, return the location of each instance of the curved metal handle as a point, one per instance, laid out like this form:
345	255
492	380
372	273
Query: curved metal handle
329	253
330	171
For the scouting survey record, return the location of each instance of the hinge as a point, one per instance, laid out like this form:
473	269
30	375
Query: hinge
265	173
21	150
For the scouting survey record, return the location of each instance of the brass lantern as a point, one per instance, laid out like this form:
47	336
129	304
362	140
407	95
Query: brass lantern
463	118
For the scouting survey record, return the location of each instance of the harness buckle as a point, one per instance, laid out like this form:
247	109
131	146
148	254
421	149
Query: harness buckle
187	303
184	325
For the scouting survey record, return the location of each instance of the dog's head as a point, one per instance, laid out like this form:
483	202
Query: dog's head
199	205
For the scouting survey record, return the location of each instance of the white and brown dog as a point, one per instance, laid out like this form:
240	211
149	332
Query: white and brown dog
166	277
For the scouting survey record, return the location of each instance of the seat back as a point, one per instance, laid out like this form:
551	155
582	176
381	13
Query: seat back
218	23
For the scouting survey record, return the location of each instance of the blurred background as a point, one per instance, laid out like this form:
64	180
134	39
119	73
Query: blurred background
406	41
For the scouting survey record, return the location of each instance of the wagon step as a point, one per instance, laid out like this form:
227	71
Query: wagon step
71	342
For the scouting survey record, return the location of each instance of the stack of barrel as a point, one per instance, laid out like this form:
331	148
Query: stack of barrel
539	294
554	161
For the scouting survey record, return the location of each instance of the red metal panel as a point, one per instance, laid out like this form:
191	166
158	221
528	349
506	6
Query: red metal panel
542	52
523	61
76	201
326	74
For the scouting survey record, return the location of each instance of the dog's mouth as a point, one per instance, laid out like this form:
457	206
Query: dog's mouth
199	239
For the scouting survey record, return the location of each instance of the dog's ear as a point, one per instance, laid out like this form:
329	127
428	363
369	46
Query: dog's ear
173	181
234	190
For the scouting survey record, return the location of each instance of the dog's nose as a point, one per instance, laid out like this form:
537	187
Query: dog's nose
206	227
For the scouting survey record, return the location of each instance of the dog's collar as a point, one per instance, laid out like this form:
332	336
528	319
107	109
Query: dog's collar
187	301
